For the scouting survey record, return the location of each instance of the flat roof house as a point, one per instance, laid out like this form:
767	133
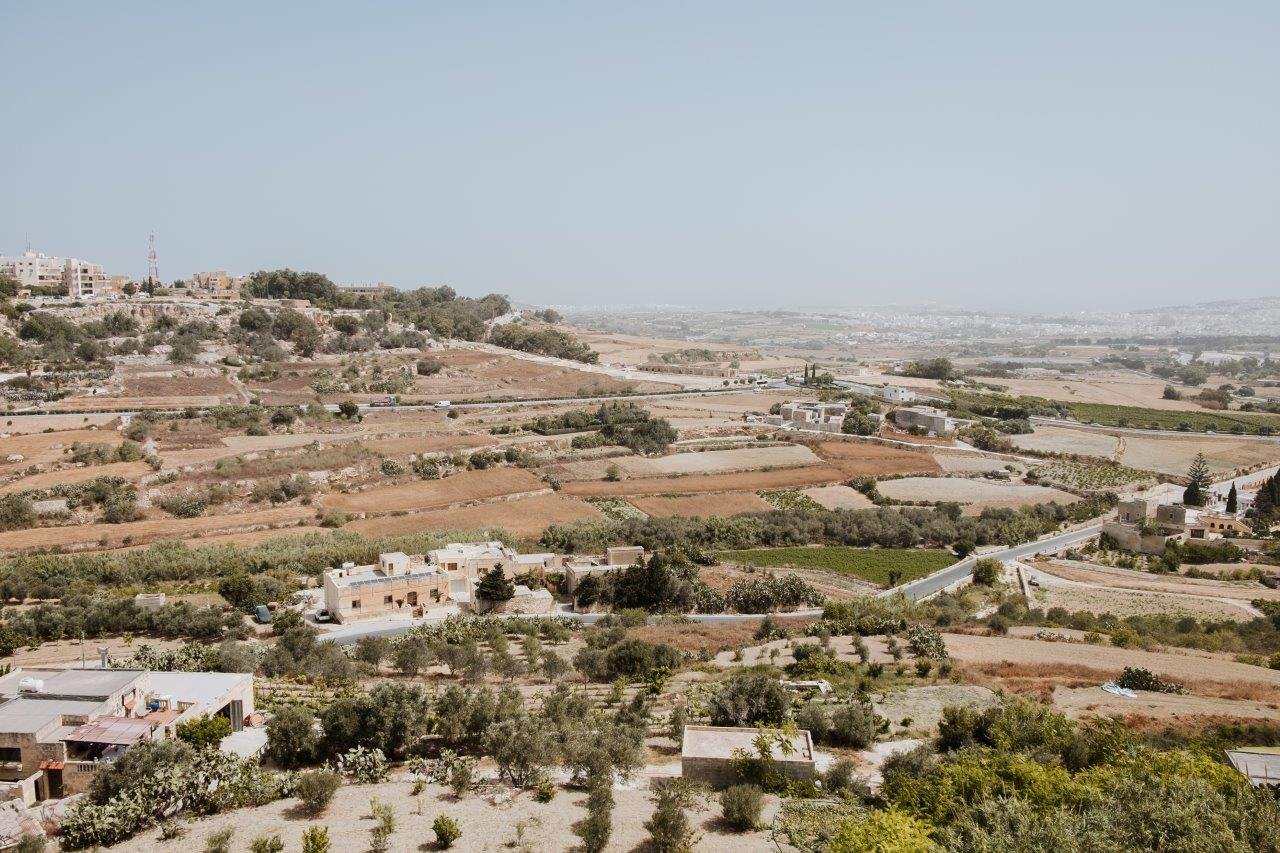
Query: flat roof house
397	583
706	754
57	727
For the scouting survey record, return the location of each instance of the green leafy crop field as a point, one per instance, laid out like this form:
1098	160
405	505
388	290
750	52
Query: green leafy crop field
869	564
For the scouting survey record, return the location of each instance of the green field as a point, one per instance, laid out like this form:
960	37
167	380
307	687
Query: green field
1193	421
869	564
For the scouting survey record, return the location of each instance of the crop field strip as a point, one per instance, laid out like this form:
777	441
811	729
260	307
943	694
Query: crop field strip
869	564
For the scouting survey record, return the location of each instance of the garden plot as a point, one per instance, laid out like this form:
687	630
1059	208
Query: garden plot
525	517
437	494
867	459
838	497
723	504
976	493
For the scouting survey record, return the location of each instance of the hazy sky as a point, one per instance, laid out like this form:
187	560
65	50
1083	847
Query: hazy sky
1035	155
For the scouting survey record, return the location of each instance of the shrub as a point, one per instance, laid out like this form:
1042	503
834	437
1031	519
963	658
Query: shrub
882	831
1137	678
987	571
545	791
315	839
364	766
267	844
205	732
315	788
669	830
741	806
220	841
853	724
749	700
446	830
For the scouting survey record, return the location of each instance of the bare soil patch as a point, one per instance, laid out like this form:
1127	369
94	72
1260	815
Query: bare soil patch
430	443
87	536
526	517
866	459
1129	579
435	494
700	506
982	493
1014	656
46	479
1081	702
839	497
698	483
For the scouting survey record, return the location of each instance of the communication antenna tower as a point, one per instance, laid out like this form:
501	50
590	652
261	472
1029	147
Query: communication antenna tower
153	271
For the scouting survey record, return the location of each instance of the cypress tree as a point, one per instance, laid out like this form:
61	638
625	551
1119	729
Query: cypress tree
1232	500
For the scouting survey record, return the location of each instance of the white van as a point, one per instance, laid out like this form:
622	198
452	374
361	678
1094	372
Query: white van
443	404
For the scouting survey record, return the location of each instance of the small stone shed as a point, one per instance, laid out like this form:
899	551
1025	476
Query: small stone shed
707	752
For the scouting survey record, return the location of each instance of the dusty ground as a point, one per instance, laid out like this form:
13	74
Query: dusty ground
486	825
698	462
128	470
92	536
1123	602
982	493
435	494
1115	387
863	459
526	517
1168	454
723	504
1014	657
748	481
66	653
1094	701
1092	573
44	448
839	497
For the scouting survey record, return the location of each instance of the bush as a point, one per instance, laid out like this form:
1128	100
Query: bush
315	788
741	806
205	732
882	831
987	571
749	700
1137	678
220	841
446	830
315	839
668	826
267	844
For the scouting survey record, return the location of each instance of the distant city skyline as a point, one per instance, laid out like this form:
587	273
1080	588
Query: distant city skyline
986	156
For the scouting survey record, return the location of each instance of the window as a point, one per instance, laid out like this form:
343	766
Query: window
355	604
386	599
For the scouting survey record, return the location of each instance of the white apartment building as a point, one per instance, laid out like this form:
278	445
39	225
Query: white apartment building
81	279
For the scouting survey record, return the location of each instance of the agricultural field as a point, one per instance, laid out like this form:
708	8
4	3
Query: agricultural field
1200	420
524	517
694	462
1090	476
972	492
812	475
723	504
869	564
838	497
434	494
1166	454
868	459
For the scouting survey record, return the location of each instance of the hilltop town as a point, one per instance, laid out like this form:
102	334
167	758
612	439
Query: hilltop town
407	566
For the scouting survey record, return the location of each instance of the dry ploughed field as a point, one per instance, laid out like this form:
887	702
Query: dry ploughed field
838	497
722	504
434	494
982	493
867	459
85	536
746	481
525	517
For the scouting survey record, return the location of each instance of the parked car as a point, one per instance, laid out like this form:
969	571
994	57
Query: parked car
323	615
